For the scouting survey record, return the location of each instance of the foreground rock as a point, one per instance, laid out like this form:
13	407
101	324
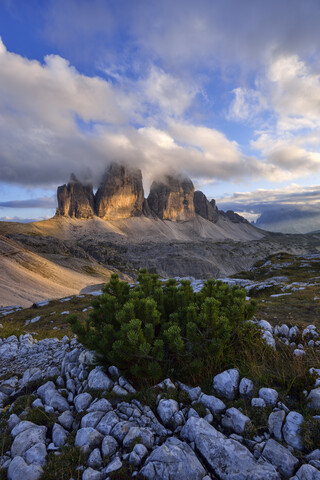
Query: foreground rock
227	458
174	459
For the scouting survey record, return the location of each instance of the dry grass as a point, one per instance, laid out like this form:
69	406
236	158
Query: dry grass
14	324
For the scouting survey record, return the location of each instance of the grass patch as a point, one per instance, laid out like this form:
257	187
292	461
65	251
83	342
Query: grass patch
310	433
14	324
64	466
125	473
39	416
22	403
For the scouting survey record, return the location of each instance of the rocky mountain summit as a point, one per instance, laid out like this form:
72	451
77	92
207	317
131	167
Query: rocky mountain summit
75	199
121	196
172	199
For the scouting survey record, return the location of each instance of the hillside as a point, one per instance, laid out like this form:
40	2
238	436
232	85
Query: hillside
27	277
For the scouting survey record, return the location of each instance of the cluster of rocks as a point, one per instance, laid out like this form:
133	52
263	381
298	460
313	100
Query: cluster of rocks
297	339
121	195
172	441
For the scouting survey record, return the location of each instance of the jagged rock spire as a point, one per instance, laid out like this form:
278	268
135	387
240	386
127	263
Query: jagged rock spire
75	199
172	198
120	194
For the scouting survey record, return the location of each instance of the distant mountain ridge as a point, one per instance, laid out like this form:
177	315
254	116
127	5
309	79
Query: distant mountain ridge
290	219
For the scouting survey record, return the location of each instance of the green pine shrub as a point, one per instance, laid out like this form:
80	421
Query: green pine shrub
154	330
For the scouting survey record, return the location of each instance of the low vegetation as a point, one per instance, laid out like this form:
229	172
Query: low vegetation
153	330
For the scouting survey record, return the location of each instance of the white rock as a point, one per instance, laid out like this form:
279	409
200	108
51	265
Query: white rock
313	399
13	420
102	405
138	453
246	387
107	423
98	380
36	454
270	341
113	466
91	419
173	460
166	409
114	371
258	402
307	472
291	430
21	427
82	401
120	430
59	435
280	457
145	436
265	326
19	470
51	397
26	439
284	330
66	419
95	459
90	474
299	353
269	395
275	422
226	383
229	459
293	333
109	446
235	420
88	439
214	404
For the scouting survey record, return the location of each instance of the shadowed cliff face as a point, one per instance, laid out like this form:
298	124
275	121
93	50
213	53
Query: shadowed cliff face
75	200
120	194
204	208
172	199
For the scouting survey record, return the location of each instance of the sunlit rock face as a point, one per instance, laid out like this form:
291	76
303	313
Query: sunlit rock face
172	198
75	199
204	208
120	194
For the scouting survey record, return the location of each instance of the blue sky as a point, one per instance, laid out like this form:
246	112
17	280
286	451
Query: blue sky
228	92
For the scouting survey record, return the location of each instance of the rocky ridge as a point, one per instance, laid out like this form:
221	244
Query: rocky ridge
121	196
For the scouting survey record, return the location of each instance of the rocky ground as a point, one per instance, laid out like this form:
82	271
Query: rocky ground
58	403
61	417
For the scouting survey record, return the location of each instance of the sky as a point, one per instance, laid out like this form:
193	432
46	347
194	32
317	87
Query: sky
226	91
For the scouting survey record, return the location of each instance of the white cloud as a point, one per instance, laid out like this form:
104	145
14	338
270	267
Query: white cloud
54	120
246	105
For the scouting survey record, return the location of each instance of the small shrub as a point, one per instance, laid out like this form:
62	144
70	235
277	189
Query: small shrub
310	432
156	330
